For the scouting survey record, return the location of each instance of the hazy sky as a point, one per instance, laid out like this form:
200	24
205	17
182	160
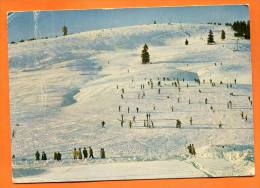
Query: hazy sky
21	24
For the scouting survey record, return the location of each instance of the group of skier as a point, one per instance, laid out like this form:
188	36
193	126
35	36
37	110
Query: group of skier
77	154
38	156
82	154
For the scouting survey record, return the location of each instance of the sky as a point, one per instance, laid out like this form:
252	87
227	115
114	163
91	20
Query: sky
21	24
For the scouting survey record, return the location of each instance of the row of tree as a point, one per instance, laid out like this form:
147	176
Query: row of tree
242	29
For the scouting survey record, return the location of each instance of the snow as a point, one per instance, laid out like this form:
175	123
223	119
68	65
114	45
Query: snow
62	88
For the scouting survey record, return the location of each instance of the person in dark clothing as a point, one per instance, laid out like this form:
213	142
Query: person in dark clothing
119	108
193	150
178	123
128	109
80	153
103	124
58	156
37	156
85	153
242	114
55	156
102	153
189	148
206	101
44	156
130	124
75	154
91	153
122	123
137	109
190	120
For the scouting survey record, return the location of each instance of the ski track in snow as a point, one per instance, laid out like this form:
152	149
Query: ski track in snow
80	88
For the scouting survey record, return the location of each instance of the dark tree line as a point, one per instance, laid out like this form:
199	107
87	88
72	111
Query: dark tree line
242	29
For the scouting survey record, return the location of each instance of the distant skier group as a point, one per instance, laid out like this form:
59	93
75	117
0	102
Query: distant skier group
77	154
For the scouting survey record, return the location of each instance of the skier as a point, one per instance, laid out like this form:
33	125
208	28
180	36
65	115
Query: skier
133	118
187	85
230	104
206	101
137	110
79	153
147	117
130	124
189	101
37	156
58	156
122	123
91	153
152	124
172	108
119	108
153	107
85	153
44	156
102	153
178	123
235	81
190	120
123	91
242	114
193	150
128	109
103	124
220	125
246	117
159	91
75	154
189	148
13	134
122	96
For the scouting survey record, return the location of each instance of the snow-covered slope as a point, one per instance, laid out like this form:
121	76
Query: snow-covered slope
62	88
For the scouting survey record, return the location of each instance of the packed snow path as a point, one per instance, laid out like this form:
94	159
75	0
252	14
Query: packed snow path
60	101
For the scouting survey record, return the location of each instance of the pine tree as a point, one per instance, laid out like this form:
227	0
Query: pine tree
211	38
65	30
186	42
223	35
145	55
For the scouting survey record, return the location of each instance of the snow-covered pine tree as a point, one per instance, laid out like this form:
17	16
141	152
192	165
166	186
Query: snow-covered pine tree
145	55
211	37
186	42
65	30
223	35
